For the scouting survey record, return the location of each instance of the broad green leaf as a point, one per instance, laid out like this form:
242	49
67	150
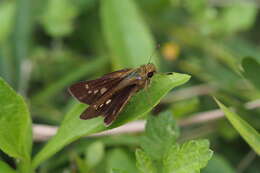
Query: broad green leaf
94	154
189	157
58	17
250	135
251	71
73	127
5	168
15	124
128	38
144	162
160	133
119	159
218	164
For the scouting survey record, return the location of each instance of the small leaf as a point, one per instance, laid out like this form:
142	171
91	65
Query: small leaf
73	127
144	162
252	71
161	132
15	124
250	135
128	38
189	157
94	154
5	168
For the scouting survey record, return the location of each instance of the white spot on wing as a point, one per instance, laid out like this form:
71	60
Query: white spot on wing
103	90
108	101
95	92
89	92
101	105
87	87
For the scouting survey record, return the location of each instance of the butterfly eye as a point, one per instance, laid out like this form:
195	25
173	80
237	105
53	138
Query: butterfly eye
150	74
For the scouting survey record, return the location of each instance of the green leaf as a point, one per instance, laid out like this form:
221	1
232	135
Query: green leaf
94	154
250	135
73	127
218	164
5	168
144	162
58	17
128	38
15	124
251	71
119	159
189	157
161	84
161	132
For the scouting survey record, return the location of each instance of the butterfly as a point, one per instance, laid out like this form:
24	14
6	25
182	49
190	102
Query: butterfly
109	94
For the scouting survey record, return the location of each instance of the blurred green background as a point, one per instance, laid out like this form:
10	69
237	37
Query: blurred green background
45	46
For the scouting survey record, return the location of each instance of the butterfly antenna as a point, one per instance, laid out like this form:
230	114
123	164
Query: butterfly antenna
153	53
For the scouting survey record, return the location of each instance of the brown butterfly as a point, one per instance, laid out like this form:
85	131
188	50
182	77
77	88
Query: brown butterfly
109	94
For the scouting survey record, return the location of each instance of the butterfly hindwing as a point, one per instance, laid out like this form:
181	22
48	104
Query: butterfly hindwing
89	91
111	107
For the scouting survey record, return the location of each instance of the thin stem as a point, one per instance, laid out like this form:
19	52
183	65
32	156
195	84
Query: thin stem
44	132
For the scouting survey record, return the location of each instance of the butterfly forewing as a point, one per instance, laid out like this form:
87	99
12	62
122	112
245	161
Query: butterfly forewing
90	91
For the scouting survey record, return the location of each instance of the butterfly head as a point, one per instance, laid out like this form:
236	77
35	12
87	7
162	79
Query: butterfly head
147	71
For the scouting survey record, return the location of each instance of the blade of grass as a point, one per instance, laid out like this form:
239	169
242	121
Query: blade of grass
84	70
20	40
250	135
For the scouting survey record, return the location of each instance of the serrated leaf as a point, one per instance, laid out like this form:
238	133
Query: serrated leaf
5	168
73	127
94	154
250	135
189	157
251	71
15	124
160	133
144	162
128	38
